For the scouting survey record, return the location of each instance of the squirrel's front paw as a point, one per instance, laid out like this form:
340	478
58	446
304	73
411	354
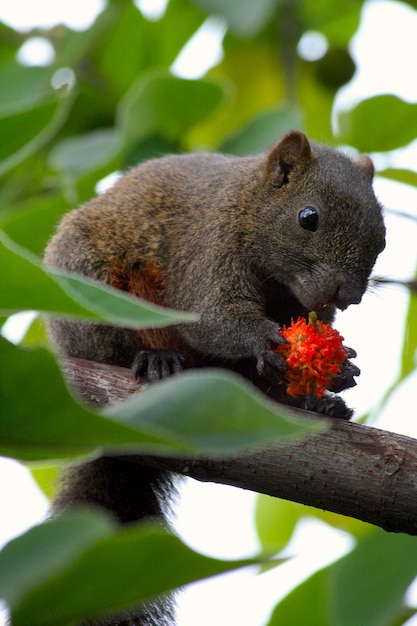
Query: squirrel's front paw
157	364
345	378
330	405
270	364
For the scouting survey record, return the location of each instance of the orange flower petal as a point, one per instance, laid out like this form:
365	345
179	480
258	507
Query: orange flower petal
314	354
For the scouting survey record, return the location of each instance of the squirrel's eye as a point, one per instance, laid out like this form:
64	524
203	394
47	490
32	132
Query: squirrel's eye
308	219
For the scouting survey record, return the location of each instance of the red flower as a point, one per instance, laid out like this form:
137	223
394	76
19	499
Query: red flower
314	354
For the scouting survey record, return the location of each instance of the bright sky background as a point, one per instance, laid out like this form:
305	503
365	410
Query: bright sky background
211	526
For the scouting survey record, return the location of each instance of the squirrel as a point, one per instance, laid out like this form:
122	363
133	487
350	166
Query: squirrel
246	243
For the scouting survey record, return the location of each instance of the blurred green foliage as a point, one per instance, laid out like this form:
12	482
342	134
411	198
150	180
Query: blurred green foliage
108	100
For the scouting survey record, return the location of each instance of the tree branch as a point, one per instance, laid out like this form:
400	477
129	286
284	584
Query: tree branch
352	469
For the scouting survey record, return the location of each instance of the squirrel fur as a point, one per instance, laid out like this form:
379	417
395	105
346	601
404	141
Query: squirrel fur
247	243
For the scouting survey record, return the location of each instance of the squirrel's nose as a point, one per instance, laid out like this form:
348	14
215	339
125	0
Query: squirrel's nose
346	295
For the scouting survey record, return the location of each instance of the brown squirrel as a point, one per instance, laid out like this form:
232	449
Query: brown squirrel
247	244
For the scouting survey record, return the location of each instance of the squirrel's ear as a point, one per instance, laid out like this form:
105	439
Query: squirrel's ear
292	150
366	162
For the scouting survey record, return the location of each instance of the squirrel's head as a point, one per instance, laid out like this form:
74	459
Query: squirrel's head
329	222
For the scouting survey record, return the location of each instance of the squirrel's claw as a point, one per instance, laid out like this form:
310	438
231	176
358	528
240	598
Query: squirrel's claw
270	364
351	353
157	364
345	378
330	405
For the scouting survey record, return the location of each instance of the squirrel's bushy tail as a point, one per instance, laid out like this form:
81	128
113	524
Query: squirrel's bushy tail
131	492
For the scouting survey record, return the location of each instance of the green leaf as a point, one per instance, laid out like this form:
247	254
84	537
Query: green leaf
245	17
115	306
408	362
80	565
24	134
20	128
10	41
336	19
23	88
275	521
40	419
335	68
45	550
77	155
179	23
31	112
316	102
32	224
196	413
255	81
159	103
308	599
26	285
368	585
36	335
350	525
409	351
365	126
262	131
212	410
152	147
46	477
123	28
408	177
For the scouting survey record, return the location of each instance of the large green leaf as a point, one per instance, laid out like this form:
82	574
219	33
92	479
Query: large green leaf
368	585
10	41
122	28
159	103
23	88
86	152
31	112
262	131
40	419
306	604
275	521
210	409
365	126
150	43
198	412
26	285
45	550
256	83
81	565
32	224
408	177
24	134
